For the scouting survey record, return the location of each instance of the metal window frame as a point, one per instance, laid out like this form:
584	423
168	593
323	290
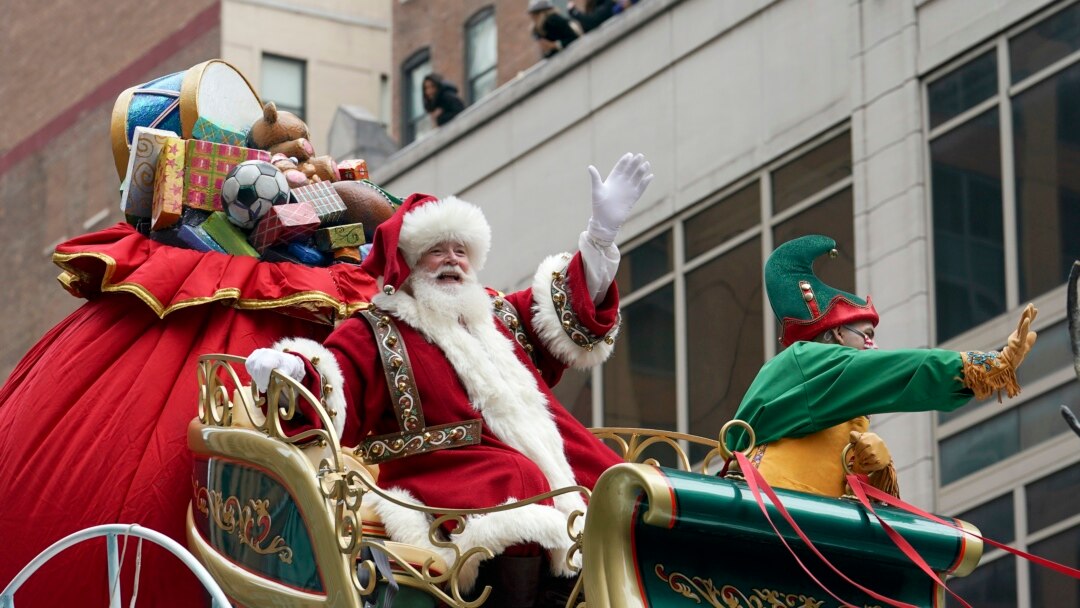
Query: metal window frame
487	12
1059	452
300	112
681	266
411	63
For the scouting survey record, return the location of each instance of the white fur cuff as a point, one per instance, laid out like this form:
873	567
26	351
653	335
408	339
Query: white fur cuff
549	323
333	381
541	524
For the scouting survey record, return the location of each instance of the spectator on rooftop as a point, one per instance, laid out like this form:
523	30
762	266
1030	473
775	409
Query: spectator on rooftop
552	31
592	13
441	99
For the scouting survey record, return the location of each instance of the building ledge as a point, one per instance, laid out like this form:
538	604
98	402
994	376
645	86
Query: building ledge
524	85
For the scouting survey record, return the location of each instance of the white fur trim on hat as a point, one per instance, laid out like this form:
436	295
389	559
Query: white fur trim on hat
448	219
333	381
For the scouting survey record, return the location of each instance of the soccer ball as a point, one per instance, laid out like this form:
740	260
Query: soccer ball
250	189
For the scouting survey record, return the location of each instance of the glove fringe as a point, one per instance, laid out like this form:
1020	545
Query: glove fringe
989	373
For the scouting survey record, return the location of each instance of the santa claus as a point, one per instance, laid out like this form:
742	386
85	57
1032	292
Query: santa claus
447	385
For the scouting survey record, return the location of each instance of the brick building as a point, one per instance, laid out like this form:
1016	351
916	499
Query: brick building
64	64
477	45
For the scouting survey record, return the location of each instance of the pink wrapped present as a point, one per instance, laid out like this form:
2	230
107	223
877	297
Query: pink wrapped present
206	165
284	224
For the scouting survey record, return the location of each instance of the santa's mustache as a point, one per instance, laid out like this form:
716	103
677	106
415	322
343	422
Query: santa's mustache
449	272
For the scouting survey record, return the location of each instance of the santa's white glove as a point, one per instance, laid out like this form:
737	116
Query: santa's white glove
613	198
262	361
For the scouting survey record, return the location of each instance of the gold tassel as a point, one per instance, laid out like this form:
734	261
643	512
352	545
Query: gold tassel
989	373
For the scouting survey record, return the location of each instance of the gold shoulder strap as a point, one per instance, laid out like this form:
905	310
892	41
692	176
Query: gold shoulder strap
415	437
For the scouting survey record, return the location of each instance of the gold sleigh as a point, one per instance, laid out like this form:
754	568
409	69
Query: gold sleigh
281	520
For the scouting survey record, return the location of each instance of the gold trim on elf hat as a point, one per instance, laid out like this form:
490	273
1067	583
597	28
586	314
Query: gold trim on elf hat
804	305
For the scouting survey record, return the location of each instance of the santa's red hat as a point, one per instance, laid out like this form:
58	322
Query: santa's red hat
422	222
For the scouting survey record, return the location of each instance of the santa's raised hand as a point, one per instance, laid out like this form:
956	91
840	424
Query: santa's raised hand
614	197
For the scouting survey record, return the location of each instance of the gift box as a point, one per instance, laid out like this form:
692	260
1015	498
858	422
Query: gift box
336	237
207	164
283	224
306	254
168	202
353	169
196	237
208	130
137	198
278	254
228	237
350	255
326	201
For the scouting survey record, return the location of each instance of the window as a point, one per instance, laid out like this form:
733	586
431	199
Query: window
415	120
696	325
1004	136
481	54
284	82
1004	126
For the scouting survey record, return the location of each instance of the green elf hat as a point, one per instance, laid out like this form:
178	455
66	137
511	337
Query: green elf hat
803	304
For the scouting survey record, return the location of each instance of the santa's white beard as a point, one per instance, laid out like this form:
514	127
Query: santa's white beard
465	302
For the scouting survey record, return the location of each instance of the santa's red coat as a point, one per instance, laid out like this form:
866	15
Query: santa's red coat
496	470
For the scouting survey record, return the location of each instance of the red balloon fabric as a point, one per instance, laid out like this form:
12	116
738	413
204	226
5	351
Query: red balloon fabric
93	420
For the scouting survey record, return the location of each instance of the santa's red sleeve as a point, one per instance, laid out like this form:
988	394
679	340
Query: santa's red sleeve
561	319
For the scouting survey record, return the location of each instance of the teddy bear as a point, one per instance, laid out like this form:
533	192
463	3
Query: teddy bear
285	137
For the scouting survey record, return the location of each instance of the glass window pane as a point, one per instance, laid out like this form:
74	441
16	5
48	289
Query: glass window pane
724	337
283	83
969	260
482	85
1048	588
481	55
991	585
833	218
1052	352
639	379
1040	418
994	519
812	172
722	220
645	263
1052	498
963	88
574	392
1044	43
1046	128
417	121
980	446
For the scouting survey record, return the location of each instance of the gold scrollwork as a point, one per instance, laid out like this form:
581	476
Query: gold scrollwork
251	522
577	332
703	589
631	444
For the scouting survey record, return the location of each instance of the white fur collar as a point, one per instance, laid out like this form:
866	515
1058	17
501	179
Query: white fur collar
499	386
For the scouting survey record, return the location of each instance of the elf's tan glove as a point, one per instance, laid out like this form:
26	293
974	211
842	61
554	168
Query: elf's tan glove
869	451
992	372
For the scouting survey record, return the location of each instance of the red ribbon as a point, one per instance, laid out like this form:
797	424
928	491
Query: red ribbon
892	501
758	485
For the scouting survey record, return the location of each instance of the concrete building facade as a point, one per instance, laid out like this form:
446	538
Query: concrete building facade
932	138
